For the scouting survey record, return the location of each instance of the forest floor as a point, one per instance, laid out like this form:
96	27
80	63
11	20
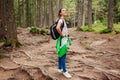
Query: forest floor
92	56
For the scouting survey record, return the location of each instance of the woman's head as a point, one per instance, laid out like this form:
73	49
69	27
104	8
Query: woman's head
62	12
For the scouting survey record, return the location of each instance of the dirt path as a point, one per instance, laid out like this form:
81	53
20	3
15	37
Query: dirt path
92	56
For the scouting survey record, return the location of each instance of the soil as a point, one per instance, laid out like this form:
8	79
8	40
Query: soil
92	56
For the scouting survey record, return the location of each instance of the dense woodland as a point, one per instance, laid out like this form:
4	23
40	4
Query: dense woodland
43	13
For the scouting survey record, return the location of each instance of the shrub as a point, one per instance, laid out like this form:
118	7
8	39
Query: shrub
117	28
42	31
106	31
7	44
105	21
33	30
85	29
101	28
98	26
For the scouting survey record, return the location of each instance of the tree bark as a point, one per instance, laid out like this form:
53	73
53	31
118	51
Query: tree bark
79	15
50	13
10	19
84	13
42	14
45	13
59	5
89	13
110	14
38	12
21	13
2	20
28	14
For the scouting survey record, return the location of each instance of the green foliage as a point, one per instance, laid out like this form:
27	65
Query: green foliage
7	44
117	11
98	26
42	31
1	40
86	29
33	30
101	28
106	31
117	28
100	9
105	21
1	56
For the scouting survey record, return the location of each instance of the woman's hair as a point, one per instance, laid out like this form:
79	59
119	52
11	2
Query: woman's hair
59	15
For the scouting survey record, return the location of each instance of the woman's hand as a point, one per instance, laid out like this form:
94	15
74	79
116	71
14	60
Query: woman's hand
63	34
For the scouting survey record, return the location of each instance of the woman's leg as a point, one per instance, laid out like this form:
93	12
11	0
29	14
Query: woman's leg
59	63
63	60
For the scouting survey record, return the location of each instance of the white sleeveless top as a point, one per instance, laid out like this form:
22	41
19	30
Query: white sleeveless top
64	30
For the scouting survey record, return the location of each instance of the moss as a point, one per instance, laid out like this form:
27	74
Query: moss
14	43
17	43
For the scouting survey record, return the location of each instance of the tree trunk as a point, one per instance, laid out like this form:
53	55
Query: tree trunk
21	13
2	20
42	14
38	12
50	13
95	16
79	7
110	14
45	14
59	5
89	13
11	27
28	14
84	13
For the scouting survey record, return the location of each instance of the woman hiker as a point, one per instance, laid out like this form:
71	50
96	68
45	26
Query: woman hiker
62	42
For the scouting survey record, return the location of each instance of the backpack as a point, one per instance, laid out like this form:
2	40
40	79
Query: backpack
53	31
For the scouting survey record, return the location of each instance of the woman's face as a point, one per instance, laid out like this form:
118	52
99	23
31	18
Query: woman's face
63	12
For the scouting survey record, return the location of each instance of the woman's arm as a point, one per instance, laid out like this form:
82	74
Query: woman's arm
59	29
